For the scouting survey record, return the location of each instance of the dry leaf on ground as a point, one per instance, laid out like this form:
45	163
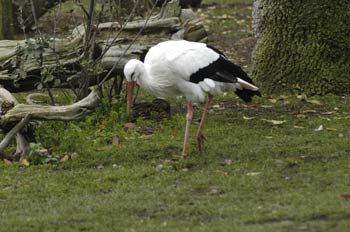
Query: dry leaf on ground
320	128
275	122
253	173
64	158
25	163
248	118
315	102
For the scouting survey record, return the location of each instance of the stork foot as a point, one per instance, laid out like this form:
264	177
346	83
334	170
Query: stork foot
200	140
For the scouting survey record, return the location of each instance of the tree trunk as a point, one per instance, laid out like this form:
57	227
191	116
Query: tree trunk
6	20
302	46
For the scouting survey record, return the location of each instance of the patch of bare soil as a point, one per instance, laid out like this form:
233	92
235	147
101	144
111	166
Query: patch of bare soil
239	49
230	30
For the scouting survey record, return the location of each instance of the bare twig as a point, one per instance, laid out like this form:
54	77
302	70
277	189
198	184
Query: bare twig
88	34
110	43
35	18
129	46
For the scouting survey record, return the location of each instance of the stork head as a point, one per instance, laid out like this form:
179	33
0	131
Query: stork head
132	73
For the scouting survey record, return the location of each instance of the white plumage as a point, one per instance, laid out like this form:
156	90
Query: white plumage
191	69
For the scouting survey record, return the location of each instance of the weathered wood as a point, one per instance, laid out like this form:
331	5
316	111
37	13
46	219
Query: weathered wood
64	113
12	112
60	63
6	98
115	53
9	136
155	25
7	101
22	147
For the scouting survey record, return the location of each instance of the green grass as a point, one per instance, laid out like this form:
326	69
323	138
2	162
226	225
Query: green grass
281	178
252	176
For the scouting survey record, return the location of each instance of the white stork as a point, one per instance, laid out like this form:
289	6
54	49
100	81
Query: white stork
191	69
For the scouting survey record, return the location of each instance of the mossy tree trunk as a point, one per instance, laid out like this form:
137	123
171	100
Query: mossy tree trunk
6	20
302	46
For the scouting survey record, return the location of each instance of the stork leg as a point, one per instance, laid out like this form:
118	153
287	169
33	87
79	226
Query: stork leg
200	136
189	116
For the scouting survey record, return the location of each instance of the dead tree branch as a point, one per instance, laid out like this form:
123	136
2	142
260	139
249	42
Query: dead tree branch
16	129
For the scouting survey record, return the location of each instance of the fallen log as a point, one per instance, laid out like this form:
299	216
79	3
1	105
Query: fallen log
58	63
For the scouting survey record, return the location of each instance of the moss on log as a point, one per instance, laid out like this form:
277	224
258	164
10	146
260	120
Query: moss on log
302	46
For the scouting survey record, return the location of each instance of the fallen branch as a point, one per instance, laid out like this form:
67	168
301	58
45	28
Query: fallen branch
64	113
29	98
9	136
169	24
12	112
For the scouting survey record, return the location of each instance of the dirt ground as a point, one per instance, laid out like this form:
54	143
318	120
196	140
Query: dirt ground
229	29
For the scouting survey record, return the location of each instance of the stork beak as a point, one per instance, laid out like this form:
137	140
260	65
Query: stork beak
131	85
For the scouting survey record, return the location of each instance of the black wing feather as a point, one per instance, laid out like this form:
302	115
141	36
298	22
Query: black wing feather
223	70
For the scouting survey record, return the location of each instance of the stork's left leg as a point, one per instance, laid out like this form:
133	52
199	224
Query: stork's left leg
200	136
189	116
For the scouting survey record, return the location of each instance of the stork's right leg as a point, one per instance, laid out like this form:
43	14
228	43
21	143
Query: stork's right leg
189	116
200	136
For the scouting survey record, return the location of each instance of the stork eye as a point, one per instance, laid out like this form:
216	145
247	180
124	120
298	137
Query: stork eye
132	75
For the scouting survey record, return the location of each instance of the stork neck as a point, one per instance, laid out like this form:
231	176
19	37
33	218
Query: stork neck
144	79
